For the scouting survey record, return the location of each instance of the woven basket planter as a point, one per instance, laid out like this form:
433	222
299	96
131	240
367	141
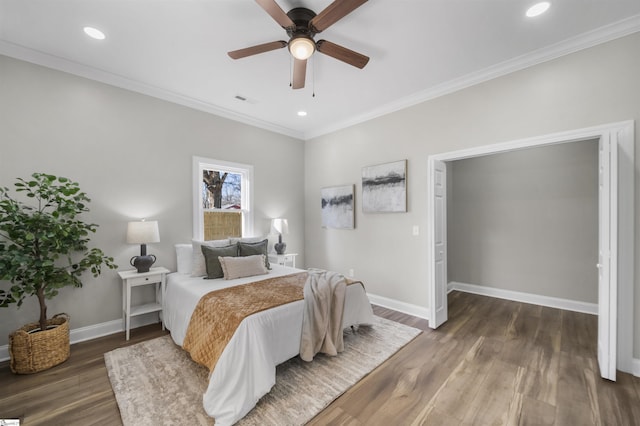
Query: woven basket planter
32	352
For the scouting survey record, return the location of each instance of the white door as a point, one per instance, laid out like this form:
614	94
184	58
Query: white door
607	256
438	244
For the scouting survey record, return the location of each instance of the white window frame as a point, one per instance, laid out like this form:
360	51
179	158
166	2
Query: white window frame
245	170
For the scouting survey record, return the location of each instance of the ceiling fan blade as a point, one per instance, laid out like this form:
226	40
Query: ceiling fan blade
342	53
299	73
254	50
333	13
276	12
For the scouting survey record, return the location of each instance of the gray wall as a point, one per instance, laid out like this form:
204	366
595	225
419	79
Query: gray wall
132	154
587	88
527	221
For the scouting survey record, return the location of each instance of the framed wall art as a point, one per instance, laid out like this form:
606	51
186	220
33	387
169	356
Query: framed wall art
384	188
338	207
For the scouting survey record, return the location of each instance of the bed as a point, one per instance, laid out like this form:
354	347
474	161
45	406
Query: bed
246	368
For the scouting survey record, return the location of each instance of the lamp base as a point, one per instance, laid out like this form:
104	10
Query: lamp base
280	248
142	263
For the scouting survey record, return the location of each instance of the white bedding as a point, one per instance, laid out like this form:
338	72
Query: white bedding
246	370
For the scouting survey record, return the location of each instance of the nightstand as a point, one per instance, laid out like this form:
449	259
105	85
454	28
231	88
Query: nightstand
132	278
283	259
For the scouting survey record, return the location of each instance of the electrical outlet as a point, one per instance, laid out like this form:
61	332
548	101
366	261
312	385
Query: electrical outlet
351	273
416	230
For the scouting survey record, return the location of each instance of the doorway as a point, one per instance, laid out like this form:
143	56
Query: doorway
615	289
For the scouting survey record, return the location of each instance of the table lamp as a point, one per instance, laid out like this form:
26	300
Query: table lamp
142	233
280	226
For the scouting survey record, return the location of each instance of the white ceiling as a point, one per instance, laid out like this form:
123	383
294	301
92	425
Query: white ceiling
419	49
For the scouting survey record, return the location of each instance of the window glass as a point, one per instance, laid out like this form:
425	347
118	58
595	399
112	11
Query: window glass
222	199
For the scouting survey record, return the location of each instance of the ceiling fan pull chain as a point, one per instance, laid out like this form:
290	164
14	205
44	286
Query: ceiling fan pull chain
313	76
290	71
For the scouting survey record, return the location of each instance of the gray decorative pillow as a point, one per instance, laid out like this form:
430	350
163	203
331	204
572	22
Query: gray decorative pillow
198	267
240	267
211	254
252	249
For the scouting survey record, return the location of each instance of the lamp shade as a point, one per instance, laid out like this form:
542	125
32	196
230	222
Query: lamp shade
302	47
143	232
279	226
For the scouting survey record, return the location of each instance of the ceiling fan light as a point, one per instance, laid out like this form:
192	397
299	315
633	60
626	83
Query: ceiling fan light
302	47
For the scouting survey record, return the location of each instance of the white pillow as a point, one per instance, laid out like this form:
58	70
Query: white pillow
240	267
199	267
184	257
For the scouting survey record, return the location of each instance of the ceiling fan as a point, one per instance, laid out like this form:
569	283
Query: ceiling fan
301	25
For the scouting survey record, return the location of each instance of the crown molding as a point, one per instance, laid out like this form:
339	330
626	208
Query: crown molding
584	41
50	61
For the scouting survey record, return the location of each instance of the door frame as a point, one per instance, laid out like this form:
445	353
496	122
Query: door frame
621	135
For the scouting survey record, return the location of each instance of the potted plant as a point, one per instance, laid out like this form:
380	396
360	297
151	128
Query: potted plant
43	248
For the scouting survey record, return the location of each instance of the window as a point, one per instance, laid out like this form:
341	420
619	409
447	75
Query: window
222	199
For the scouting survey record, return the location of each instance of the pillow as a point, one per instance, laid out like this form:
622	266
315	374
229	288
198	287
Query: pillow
184	258
198	267
235	240
240	267
252	249
211	255
270	242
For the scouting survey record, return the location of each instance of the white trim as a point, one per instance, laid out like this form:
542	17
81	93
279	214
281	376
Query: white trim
75	68
246	170
636	367
396	305
517	296
90	332
450	286
626	246
587	133
117	326
593	38
623	132
598	36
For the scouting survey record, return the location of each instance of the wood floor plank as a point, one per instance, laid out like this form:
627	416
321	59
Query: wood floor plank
618	401
462	385
576	387
541	375
536	413
549	332
493	362
494	400
580	333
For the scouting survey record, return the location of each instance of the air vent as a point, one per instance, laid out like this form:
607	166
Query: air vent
240	98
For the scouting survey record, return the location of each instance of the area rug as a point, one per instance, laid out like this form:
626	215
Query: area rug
156	383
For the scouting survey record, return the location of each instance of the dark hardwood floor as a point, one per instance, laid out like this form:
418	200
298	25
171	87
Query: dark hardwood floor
494	362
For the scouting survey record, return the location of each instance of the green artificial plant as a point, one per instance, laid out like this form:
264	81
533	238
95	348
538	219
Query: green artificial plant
43	243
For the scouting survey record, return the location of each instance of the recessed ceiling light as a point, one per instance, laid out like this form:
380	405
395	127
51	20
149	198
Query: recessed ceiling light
538	9
94	33
302	113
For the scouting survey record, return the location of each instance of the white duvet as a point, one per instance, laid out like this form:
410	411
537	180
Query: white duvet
246	370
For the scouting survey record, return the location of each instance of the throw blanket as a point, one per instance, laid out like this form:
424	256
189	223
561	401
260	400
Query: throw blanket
324	296
219	313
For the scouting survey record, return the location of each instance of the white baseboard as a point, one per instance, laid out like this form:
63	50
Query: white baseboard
636	367
535	299
396	305
116	326
89	332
